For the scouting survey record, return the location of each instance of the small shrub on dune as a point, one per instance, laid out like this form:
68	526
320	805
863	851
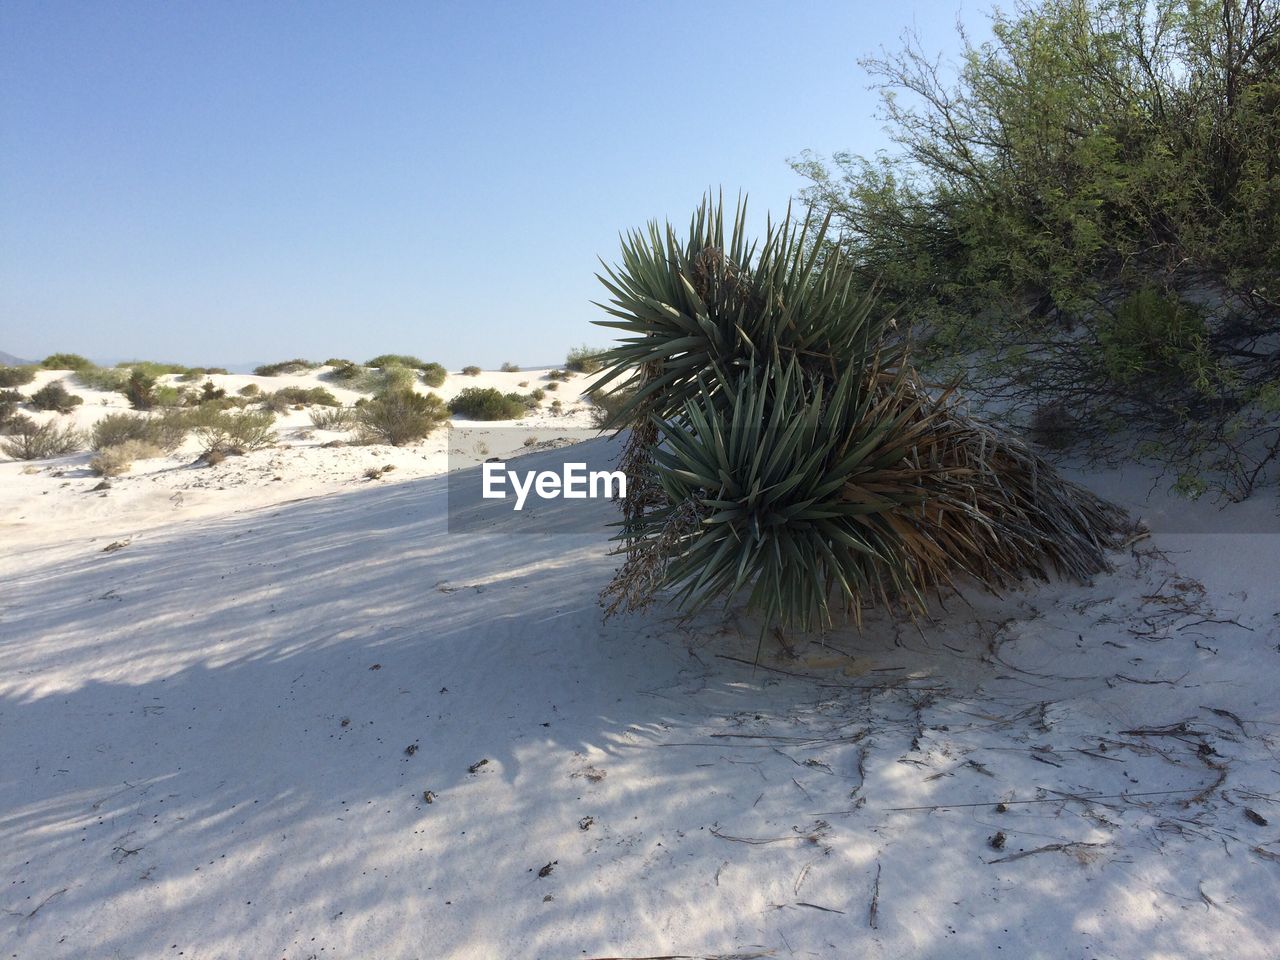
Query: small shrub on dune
434	374
510	368
486	403
166	431
397	360
537	394
338	362
210	391
106	379
287	397
583	359
9	402
54	396
333	418
553	385
471	371
343	370
296	365
558	375
249	390
16	376
400	416
24	439
191	374
153	368
238	432
65	361
119	459
140	390
169	396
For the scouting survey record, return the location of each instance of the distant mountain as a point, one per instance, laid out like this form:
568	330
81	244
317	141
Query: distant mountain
9	360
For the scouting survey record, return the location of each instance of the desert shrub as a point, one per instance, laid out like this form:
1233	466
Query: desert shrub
65	361
191	374
556	408
343	370
537	394
16	376
166	395
553	385
608	405
338	362
583	359
152	368
287	397
471	371
296	365
106	379
237	432
509	368
140	390
400	416
1151	337
397	360
166	430
10	400
486	403
333	418
115	460
54	396
249	390
210	391
556	375
24	439
376	379
434	374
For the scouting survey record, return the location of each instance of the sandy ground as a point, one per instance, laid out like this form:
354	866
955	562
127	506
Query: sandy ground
215	740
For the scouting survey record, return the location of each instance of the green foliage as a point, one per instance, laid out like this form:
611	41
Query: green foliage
333	418
166	430
434	374
1091	153
393	376
399	417
140	390
249	390
397	360
509	367
24	439
16	376
1152	337
211	391
65	361
584	359
54	396
286	397
783	448
338	362
294	366
471	371
557	375
234	433
153	369
191	374
119	459
106	379
486	403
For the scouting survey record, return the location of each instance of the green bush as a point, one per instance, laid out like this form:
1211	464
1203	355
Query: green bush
556	375
106	379
471	371
192	374
338	362
583	359
16	376
537	394
153	369
210	391
333	418
249	390
234	433
166	430
10	400
399	417
140	390
1151	337
65	361
296	365
54	396
397	360
24	439
287	397
553	385
486	403
434	374
509	368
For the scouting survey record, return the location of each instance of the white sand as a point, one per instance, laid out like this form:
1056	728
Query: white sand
203	741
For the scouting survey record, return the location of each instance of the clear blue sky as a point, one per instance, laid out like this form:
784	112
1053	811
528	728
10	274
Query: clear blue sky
222	182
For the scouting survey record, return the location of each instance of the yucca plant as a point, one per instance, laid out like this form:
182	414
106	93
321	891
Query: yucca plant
782	445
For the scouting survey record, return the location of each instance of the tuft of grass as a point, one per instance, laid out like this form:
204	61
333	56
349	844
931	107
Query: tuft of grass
399	417
115	460
24	439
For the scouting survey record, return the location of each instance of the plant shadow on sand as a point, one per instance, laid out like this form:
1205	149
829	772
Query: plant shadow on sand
216	743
